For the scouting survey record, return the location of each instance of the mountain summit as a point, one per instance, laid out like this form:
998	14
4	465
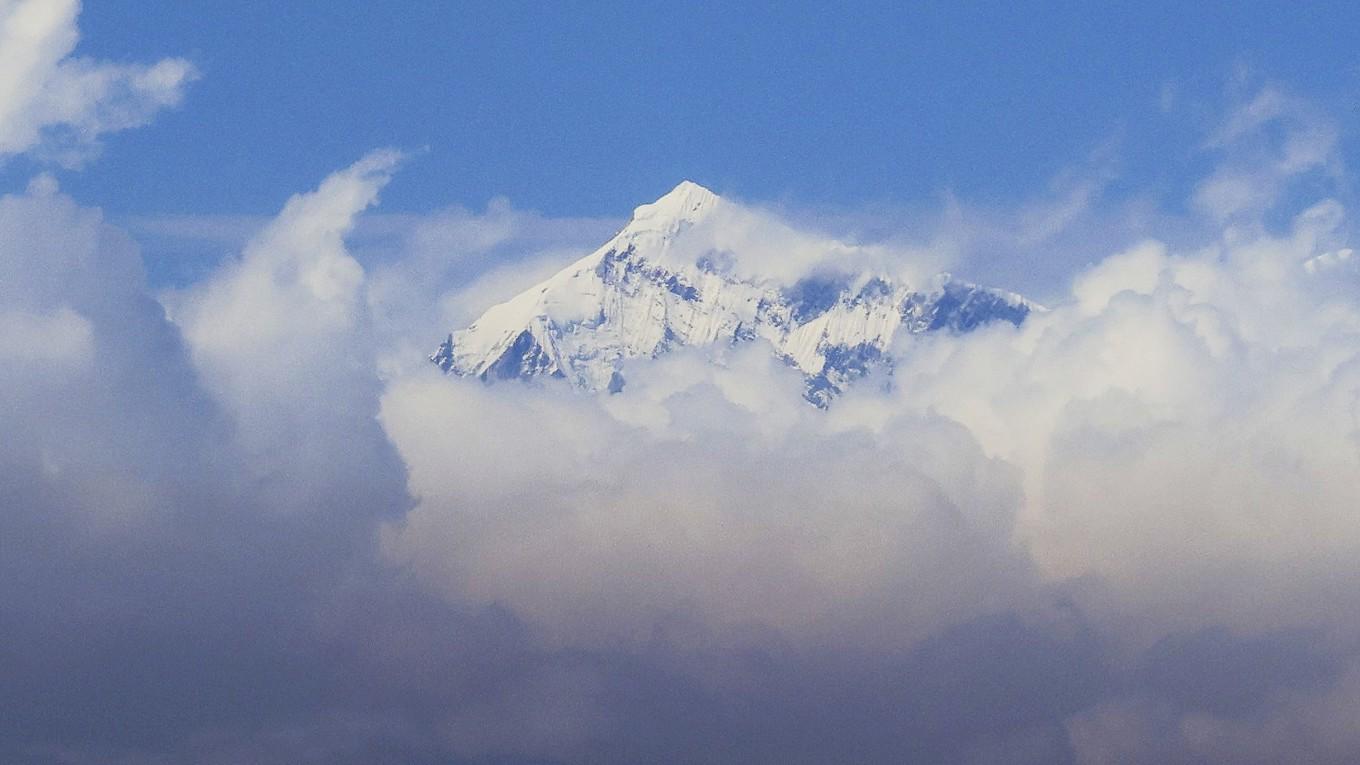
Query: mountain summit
668	280
687	203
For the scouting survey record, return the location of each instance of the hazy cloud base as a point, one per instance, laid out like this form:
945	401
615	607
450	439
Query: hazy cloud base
243	521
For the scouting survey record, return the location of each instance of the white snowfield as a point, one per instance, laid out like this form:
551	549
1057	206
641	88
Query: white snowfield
670	278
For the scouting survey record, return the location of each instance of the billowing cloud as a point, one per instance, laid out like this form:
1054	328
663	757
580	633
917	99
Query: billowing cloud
1175	448
1160	472
245	521
739	512
268	324
57	105
1187	429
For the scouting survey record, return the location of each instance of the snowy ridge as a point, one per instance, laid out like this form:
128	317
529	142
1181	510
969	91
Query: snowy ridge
635	297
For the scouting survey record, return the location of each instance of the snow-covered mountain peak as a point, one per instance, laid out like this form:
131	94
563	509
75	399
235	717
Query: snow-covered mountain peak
655	226
662	283
687	203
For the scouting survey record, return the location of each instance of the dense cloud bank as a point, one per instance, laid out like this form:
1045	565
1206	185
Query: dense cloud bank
244	521
1123	532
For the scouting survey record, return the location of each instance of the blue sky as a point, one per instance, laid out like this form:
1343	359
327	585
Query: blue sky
591	109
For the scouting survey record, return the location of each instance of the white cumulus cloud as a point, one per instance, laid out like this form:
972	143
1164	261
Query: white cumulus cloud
58	105
1124	531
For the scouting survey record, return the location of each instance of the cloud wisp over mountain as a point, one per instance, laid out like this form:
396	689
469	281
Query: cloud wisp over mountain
246	520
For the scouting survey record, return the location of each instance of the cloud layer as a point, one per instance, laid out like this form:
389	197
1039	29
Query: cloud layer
244	521
1154	483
